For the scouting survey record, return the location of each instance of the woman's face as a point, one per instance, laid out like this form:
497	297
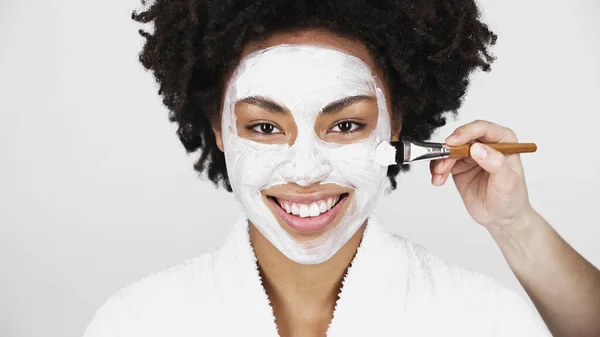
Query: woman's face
300	121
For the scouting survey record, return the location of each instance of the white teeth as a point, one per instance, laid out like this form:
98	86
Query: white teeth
314	210
304	212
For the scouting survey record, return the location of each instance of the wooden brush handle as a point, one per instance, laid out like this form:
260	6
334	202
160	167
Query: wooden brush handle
505	148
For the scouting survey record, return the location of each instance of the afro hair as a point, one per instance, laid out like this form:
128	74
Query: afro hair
426	50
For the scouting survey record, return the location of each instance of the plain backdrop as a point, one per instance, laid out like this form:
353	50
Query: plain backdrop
96	191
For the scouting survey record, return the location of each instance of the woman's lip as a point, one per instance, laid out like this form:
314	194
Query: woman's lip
309	224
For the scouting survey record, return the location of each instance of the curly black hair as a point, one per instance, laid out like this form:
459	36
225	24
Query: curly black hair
426	50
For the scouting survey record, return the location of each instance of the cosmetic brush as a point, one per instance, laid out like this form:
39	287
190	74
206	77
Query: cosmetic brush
408	151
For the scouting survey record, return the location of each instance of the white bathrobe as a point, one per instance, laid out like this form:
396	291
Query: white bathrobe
393	288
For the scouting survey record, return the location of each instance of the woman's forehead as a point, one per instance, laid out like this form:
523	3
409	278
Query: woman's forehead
297	75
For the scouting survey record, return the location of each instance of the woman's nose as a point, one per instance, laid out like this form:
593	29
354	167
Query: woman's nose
306	167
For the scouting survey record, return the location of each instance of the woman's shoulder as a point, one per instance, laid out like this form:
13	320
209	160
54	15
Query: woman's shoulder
434	271
191	295
421	268
431	273
455	294
165	296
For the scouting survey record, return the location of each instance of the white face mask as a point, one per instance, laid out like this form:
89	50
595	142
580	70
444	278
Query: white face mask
304	79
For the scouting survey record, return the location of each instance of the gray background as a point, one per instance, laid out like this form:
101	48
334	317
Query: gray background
96	191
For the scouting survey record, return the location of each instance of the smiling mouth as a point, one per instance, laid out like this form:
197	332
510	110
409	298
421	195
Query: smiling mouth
312	209
309	217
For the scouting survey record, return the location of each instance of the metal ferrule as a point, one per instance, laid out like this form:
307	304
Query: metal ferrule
422	151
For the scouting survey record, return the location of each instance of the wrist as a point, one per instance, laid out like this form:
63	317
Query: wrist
527	219
521	222
518	238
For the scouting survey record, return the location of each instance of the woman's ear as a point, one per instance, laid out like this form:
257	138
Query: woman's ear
216	127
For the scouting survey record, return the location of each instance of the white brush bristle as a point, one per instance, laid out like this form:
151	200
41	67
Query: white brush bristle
385	154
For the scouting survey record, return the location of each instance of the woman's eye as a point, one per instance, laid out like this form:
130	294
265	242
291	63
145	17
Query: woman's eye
347	127
265	128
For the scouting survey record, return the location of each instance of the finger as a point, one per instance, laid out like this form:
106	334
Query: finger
464	165
483	131
440	170
436	179
441	166
445	177
492	161
439	179
464	178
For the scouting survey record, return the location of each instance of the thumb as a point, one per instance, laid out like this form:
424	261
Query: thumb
502	177
489	159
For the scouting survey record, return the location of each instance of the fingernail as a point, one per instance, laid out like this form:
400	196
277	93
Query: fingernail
480	151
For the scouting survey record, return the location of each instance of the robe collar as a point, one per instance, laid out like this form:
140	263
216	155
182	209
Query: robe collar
371	301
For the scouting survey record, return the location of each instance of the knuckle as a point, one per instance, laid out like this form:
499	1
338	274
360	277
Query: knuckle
511	134
481	123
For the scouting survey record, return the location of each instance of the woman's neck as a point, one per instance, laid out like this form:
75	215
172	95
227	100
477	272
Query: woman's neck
302	296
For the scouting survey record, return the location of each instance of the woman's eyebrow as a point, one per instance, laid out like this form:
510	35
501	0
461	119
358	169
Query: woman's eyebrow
330	108
345	102
264	103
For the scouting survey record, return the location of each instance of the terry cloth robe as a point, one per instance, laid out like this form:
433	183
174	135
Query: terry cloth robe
392	288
